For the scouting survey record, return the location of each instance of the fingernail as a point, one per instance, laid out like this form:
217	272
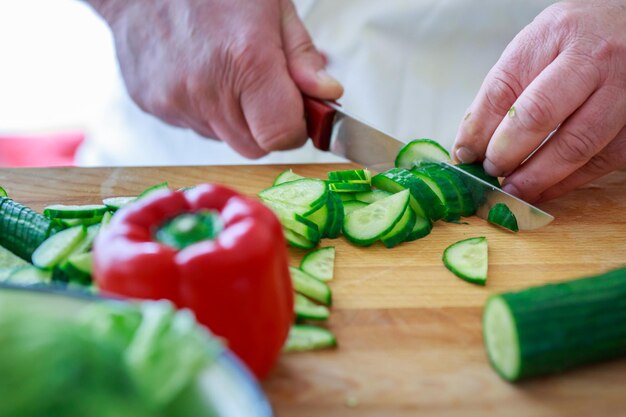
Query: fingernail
465	155
328	80
511	189
491	168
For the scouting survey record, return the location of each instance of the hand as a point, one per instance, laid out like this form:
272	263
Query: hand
567	69
233	70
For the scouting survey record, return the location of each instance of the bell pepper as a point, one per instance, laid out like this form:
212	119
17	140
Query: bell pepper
211	250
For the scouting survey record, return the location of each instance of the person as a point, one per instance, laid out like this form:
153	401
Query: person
236	70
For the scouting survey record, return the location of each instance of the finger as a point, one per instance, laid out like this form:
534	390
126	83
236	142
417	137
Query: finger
306	64
230	127
611	158
523	59
578	140
555	94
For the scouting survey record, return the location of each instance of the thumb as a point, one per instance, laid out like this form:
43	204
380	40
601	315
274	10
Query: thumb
307	66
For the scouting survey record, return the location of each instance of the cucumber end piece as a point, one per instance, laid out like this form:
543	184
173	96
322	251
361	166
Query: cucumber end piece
501	338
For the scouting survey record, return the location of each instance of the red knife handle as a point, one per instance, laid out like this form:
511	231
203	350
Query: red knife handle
319	122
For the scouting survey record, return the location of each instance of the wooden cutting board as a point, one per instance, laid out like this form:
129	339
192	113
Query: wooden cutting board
409	331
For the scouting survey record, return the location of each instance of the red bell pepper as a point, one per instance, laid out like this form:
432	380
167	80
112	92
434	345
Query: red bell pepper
236	282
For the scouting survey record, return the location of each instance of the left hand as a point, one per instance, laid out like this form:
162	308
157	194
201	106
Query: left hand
565	70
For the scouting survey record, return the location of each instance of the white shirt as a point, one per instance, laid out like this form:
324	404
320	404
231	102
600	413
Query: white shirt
409	67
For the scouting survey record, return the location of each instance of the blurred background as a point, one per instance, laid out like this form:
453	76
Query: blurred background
410	68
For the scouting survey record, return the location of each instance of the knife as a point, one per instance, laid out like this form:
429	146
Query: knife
333	129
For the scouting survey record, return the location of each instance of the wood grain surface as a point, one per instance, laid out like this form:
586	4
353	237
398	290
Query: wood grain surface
409	331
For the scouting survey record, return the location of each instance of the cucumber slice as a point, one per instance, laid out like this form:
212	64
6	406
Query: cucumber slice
306	309
158	187
501	215
305	337
298	241
468	260
349	187
350	175
87	221
290	218
310	287
9	260
57	247
367	225
445	189
372	196
465	198
106	219
350	206
421	228
346	196
29	275
116	203
421	150
335	216
424	201
401	230
77	268
286	176
3	192
319	263
310	193
87	243
62	211
320	218
555	327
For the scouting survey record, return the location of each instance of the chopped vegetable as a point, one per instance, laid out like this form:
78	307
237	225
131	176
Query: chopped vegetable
468	260
320	263
501	215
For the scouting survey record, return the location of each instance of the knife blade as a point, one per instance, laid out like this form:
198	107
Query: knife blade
333	129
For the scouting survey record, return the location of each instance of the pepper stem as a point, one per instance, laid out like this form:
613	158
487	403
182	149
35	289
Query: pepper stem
189	228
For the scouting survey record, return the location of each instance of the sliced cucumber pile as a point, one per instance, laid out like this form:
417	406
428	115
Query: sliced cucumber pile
502	216
313	298
54	247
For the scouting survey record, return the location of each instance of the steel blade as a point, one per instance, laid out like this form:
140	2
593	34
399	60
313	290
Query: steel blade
528	216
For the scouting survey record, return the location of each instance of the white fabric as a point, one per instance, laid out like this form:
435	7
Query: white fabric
409	67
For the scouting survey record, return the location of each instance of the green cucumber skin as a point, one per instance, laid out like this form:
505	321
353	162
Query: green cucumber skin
421	228
22	230
564	325
401	231
466	198
502	216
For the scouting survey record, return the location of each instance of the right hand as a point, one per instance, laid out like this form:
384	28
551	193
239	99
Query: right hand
233	70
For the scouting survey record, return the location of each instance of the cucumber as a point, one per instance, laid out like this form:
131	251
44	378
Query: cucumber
86	221
158	187
401	230
350	206
371	196
465	198
421	150
62	211
310	287
57	247
116	203
290	219
349	187
29	275
298	241
421	228
320	263
501	215
286	176
3	192
477	170
335	216
306	309
9	260
22	230
424	201
77	268
367	225
468	259
87	243
555	327
308	193
305	337
445	188
320	217
350	175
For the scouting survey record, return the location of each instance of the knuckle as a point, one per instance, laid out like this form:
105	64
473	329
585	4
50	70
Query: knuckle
576	147
274	138
538	113
502	90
